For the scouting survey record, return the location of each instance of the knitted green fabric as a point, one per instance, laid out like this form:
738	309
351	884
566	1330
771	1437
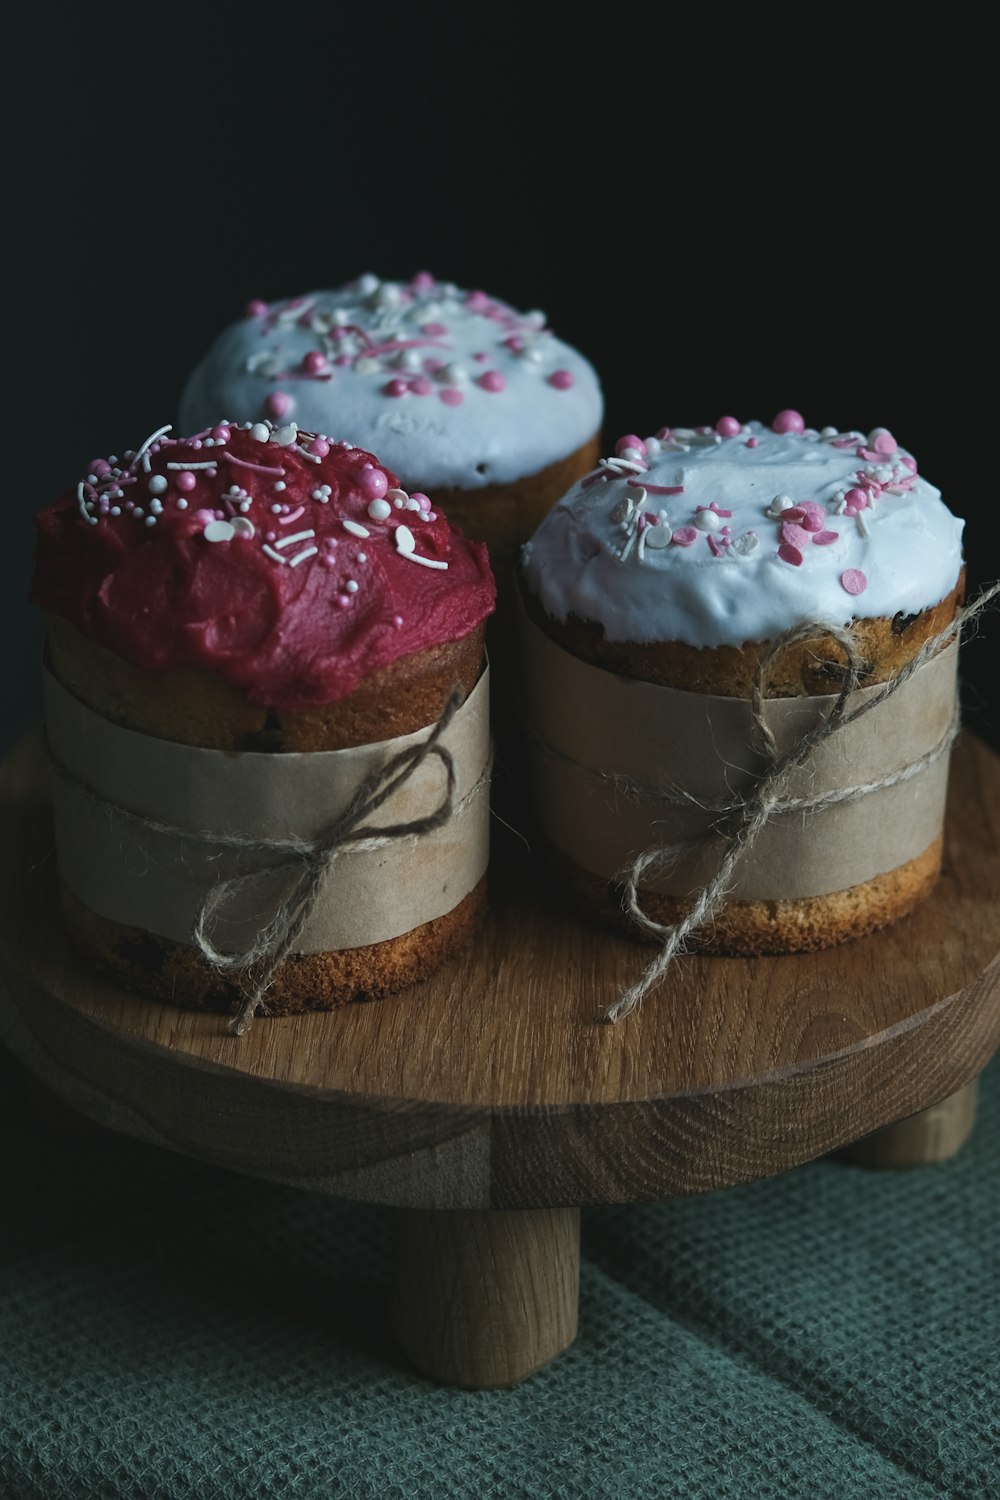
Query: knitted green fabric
169	1330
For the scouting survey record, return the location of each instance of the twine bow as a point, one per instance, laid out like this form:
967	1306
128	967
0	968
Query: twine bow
309	861
744	820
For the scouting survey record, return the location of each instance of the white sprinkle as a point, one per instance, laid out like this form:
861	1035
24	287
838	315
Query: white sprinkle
313	458
243	527
210	465
356	529
859	518
219	531
296	536
380	510
405	542
301	556
275	556
82	502
160	431
425	562
366	366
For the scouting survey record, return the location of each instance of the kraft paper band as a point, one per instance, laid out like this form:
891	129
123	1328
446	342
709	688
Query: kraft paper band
595	721
157	881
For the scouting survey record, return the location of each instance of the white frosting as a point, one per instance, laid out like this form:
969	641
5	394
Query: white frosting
591	556
449	428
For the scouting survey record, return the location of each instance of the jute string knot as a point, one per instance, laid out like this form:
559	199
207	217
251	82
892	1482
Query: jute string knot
308	862
738	829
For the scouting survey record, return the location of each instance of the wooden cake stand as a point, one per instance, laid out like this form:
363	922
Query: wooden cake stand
486	1105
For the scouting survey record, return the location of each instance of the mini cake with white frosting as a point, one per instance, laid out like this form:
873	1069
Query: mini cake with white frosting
678	560
467	399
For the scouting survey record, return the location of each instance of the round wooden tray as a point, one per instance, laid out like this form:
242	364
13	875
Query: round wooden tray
493	1087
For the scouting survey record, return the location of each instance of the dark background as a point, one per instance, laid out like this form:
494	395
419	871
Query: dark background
735	213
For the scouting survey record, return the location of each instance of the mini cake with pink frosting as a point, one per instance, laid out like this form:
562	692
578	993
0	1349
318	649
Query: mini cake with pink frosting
683	556
470	401
267	593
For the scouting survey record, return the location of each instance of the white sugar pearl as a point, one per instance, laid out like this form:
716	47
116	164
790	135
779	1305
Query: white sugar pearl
632	454
778	504
285	436
367	284
280	485
261	432
157	485
351	586
380	510
658	536
182	504
453	373
707	520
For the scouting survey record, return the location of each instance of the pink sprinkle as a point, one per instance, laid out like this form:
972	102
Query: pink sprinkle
186	481
562	380
432	363
434	330
884	442
908	462
343	359
663	434
853	581
203	516
790	554
99	466
422	282
727	426
278	404
513	343
630	441
315	362
397	620
319	447
844	442
824	538
395	388
812	522
344	600
372	484
752	442
421	385
795	536
789	421
221	433
684	536
256	308
491	381
660	489
478	302
716	547
450	396
480	356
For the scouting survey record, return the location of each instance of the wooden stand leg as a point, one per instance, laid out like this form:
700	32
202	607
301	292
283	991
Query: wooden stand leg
932	1135
485	1298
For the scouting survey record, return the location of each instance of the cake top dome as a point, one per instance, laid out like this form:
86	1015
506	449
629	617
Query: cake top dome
716	536
290	564
454	389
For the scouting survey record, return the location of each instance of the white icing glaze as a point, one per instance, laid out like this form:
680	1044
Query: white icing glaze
585	562
308	359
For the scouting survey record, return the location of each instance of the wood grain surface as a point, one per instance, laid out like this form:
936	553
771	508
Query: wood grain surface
493	1085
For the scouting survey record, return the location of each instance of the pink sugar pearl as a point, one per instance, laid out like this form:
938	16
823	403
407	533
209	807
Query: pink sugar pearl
789	421
630	441
492	381
562	380
395	388
315	363
373	484
186	481
278	404
221	433
99	466
422	282
727	426
256	308
319	447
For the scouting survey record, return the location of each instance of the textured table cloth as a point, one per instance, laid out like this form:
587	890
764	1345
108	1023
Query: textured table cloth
171	1330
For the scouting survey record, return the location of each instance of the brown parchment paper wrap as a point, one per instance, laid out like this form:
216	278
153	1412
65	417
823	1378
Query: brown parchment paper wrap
157	881
586	719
